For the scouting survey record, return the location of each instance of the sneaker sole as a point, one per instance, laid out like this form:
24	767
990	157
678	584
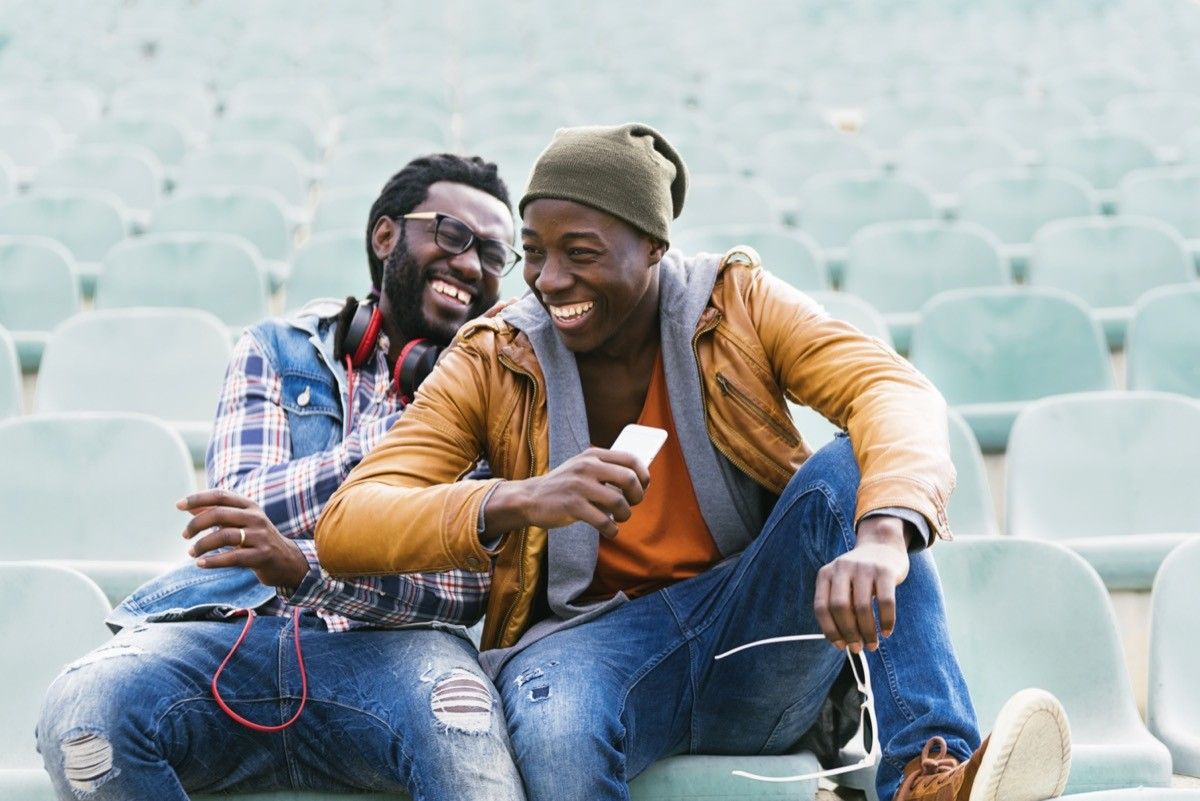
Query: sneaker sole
1029	755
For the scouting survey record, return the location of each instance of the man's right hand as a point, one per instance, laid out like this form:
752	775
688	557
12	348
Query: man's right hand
598	487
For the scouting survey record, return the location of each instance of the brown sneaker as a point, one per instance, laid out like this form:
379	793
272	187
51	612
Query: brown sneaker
1026	758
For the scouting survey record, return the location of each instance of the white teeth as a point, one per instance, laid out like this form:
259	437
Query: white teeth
442	288
572	311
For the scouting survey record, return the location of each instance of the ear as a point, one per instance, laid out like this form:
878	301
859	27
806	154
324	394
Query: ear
658	249
384	236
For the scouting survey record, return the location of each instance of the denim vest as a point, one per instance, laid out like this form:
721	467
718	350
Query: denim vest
300	350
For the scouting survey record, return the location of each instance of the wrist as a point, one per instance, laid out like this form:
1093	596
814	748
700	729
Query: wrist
883	530
504	508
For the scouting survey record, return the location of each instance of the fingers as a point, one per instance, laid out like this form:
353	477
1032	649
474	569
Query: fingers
218	516
844	601
885	598
198	501
862	592
221	538
624	460
821	607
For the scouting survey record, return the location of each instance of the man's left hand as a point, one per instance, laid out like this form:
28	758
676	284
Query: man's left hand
870	572
232	520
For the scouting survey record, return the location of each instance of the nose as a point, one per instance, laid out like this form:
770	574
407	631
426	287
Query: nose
552	278
467	265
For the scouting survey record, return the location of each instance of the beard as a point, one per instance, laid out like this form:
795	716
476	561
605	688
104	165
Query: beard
404	284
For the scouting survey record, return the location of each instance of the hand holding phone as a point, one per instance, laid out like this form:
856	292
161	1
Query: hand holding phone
641	442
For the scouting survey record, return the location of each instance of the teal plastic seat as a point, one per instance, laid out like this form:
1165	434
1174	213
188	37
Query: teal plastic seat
1173	704
1190	149
1162	117
390	122
1014	203
164	137
944	157
992	350
1023	614
1100	157
835	206
125	471
305	97
1109	262
1170	194
726	200
38	290
186	103
257	215
264	165
787	254
971	510
368	163
217	273
341	210
1162	346
706	157
1107	474
786	159
428	91
331	265
50	617
87	223
271	129
514	155
897	267
73	105
29	142
181	355
10	377
886	122
1093	86
769	119
1031	121
131	173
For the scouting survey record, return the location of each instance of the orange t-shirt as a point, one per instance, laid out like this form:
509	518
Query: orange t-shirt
666	539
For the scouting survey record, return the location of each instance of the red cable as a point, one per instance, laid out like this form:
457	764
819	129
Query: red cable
249	724
350	393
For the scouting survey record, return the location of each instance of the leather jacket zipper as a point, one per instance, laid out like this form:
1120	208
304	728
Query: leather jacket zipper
731	390
524	535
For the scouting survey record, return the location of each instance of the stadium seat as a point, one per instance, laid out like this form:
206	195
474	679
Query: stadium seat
786	159
1161	117
1173	706
272	166
392	122
897	267
767	118
1093	86
835	206
1029	121
87	223
51	616
726	200
513	155
944	157
992	350
29	141
38	290
368	163
273	129
789	255
255	214
1162	345
1170	194
427	91
129	172
71	104
492	118
307	98
1190	150
1108	475
125	473
1013	204
165	138
330	265
217	273
165	362
887	122
706	157
185	103
1023	614
341	210
1108	263
10	377
1102	158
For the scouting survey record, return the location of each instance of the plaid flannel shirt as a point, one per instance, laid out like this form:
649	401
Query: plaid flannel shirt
250	454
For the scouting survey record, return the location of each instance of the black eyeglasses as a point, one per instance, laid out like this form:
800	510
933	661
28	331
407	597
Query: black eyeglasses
454	236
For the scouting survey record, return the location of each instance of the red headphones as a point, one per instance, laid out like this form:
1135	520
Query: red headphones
358	335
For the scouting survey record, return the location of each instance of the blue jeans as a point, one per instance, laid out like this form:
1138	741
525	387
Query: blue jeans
387	711
591	707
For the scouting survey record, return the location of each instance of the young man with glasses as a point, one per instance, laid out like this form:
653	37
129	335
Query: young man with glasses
219	681
617	583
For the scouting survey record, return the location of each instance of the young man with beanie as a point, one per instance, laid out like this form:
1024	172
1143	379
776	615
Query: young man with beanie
617	584
218	681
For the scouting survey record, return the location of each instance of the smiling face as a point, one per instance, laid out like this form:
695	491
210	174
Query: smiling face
595	274
428	292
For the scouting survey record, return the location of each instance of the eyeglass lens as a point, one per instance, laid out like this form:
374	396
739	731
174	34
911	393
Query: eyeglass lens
454	236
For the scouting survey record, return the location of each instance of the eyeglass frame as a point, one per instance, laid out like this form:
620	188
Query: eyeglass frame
866	712
439	217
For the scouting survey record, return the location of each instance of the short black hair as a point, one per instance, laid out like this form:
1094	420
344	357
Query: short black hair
408	188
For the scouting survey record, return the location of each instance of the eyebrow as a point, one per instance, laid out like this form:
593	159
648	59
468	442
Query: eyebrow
526	231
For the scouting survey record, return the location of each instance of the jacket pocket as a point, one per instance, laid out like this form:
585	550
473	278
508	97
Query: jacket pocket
748	403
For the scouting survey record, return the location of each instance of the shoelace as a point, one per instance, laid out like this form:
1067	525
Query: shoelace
933	766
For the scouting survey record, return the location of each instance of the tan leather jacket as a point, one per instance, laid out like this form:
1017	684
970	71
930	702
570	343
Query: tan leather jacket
403	509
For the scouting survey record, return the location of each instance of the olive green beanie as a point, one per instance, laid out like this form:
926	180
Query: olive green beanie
629	171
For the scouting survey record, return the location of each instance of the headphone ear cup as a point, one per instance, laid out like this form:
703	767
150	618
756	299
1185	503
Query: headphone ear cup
416	363
361	331
342	329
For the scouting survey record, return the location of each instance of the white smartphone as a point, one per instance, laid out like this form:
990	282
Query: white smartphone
641	442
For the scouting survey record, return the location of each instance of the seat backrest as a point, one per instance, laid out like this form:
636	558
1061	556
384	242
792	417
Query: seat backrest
1162	346
1093	86
786	159
356	165
388	121
1009	344
164	362
1170	194
331	265
834	206
1173	703
273	166
1030	121
218	273
1190	149
129	172
725	200
856	311
38	286
272	129
944	157
898	266
1103	464
182	102
71	104
971	509
341	210
123	474
87	223
1109	261
10	377
1023	614
255	214
887	122
1014	203
50	616
1162	117
1100	157
162	136
787	254
30	140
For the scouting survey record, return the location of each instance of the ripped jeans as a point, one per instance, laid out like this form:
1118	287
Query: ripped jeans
392	711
